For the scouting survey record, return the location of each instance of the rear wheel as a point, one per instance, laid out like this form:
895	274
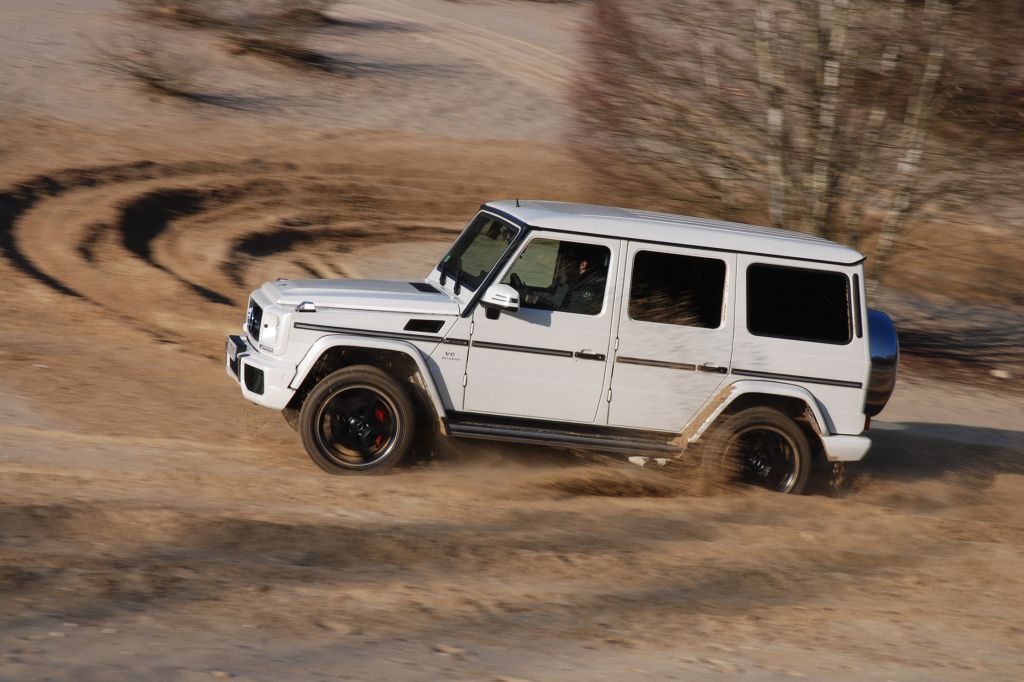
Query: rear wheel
357	420
761	446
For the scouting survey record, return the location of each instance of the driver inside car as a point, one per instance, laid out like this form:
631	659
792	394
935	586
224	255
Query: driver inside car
582	289
578	284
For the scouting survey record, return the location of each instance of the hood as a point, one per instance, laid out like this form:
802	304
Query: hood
399	296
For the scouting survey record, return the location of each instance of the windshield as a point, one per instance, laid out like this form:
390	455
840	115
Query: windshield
477	250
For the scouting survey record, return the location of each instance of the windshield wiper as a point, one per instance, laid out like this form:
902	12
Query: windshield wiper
455	277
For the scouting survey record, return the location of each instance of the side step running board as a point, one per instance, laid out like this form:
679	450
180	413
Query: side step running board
559	439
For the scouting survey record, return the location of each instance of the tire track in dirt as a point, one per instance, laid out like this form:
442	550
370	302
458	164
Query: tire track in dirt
16	201
146	242
149	215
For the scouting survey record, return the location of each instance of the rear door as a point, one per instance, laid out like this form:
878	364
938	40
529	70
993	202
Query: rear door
548	360
675	334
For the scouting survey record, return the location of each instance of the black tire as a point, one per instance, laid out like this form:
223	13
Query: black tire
357	420
761	446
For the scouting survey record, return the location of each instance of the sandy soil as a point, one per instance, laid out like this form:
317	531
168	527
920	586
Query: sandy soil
155	526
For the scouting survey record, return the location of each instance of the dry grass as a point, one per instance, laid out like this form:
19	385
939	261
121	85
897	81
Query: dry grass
155	65
276	29
546	2
163	69
284	46
231	14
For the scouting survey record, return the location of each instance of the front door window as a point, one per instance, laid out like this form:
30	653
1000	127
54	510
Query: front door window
561	276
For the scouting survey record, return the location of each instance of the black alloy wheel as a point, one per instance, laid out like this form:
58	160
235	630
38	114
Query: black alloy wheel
761	446
357	420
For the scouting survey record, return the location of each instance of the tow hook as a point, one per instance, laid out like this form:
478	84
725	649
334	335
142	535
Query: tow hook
837	479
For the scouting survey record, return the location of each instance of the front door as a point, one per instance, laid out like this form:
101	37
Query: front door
547	360
674	335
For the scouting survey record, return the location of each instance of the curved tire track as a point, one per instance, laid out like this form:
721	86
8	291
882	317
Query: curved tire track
147	242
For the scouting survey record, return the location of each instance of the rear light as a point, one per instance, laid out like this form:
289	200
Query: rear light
867	422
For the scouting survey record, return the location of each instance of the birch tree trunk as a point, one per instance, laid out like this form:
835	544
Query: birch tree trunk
833	15
913	138
768	78
850	232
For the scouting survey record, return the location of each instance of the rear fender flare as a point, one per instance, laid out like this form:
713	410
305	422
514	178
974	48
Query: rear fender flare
728	394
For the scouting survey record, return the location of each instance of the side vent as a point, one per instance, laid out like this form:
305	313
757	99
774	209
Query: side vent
424	287
428	326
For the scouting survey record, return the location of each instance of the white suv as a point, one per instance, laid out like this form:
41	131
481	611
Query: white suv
588	327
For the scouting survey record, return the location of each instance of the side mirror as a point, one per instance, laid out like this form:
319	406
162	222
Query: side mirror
501	297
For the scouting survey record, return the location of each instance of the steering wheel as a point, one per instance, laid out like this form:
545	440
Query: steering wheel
517	282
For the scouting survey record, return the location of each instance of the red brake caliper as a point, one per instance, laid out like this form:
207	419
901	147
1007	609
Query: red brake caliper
378	413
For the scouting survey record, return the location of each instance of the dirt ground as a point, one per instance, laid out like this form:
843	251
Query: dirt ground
155	526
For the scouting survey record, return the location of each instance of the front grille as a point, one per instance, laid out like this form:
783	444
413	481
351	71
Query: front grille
253	319
254	379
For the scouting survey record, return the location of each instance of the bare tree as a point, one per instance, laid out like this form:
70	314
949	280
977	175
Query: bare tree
816	112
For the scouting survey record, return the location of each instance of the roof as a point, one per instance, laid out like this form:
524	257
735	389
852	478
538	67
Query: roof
628	223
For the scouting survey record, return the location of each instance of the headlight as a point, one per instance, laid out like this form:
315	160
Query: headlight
268	331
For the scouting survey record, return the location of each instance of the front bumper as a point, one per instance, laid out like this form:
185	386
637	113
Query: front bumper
263	380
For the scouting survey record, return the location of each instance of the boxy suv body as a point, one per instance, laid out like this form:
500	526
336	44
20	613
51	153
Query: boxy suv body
587	327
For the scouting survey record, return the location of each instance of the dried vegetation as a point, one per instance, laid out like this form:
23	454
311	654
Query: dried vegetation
842	118
277	29
155	65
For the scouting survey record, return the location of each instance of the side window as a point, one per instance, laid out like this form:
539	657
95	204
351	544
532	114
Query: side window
672	288
796	303
561	276
537	264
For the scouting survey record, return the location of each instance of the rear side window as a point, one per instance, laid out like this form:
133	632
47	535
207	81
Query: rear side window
671	288
795	303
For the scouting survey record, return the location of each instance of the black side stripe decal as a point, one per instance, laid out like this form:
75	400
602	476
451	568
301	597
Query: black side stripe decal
797	377
523	349
456	342
655	363
364	332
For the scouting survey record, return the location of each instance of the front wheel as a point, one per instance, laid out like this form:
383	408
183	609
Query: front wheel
357	420
761	446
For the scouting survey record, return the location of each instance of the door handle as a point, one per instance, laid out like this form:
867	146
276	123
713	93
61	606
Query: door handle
712	367
588	355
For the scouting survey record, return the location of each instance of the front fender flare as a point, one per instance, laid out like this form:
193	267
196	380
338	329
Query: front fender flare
325	343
